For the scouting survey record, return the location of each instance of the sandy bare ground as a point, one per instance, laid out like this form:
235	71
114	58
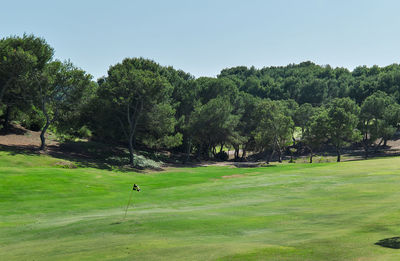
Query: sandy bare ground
19	136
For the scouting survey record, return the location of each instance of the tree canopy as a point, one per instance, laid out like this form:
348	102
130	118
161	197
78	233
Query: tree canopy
141	104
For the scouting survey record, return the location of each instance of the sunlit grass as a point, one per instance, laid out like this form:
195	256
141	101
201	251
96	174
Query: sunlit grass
324	211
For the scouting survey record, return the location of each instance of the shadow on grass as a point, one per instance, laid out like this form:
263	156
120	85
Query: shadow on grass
393	242
83	154
113	157
16	150
251	164
92	154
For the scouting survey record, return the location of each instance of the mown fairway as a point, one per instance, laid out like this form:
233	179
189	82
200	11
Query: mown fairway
289	212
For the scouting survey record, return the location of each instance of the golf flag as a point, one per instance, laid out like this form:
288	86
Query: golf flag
136	187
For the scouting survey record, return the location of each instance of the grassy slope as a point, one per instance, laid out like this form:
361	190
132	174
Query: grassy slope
291	212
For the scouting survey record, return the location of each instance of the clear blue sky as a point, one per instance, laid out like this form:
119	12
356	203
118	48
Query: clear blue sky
203	37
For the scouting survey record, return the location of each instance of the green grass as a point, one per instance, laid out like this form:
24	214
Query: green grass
325	211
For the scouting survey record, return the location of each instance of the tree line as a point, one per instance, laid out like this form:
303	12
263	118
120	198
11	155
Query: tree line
140	103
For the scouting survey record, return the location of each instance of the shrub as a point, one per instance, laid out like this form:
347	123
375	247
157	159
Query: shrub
222	155
140	162
84	132
33	121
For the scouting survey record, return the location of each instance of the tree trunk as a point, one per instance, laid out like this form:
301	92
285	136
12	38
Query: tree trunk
133	120
270	156
279	155
376	148
366	149
311	155
214	149
199	151
244	153
131	155
6	124
384	142
279	150
236	152
43	132
189	145
338	155
207	150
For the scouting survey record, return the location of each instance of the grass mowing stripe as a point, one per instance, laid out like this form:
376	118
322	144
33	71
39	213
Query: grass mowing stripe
324	211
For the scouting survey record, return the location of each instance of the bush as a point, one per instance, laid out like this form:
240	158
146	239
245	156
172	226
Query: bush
222	155
140	162
33	121
84	132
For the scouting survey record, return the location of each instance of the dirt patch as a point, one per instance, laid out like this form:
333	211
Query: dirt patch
65	165
19	136
232	176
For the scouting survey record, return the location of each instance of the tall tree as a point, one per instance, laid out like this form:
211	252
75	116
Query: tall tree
21	58
61	86
290	107
134	90
245	108
303	116
209	94
274	127
342	120
315	130
212	124
185	95
373	124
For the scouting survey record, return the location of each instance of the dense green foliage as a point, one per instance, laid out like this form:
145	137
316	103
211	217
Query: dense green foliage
142	104
21	61
378	119
61	90
135	97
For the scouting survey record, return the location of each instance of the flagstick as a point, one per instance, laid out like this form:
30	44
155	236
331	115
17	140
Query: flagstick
130	197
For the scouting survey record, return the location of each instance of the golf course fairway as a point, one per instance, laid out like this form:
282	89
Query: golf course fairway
321	211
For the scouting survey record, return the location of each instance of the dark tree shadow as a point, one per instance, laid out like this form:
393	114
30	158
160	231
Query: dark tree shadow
115	157
393	242
13	130
16	150
249	165
83	154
